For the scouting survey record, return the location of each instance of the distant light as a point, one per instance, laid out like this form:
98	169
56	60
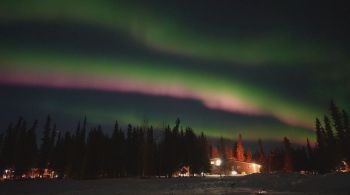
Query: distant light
254	167
218	162
261	192
233	172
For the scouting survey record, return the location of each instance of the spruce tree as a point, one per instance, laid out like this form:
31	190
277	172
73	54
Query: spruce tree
320	135
68	154
310	156
249	156
331	150
262	157
31	145
149	153
118	143
8	147
347	135
287	160
338	123
240	149
1	151
58	158
20	148
45	144
204	164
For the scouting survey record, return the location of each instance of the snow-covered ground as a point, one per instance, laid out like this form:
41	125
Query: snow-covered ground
279	183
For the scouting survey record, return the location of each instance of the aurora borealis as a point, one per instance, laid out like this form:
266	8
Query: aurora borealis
256	68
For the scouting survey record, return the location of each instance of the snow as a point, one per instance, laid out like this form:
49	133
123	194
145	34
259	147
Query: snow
277	183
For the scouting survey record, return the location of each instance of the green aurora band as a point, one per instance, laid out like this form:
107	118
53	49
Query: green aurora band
253	99
161	31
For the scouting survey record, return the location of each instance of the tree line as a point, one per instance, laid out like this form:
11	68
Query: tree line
331	150
135	151
143	151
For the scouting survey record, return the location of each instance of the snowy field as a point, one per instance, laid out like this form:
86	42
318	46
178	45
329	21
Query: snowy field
252	184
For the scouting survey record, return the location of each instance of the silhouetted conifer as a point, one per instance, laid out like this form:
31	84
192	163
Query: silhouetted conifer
249	156
262	157
45	144
347	136
287	159
310	156
240	149
337	121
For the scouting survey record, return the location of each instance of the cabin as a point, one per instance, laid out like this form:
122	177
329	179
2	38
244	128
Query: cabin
8	174
233	167
183	171
235	160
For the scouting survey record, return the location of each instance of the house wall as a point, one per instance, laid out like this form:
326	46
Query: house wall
244	167
232	166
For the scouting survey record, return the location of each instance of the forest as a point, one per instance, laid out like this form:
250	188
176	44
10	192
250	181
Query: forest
330	152
94	154
142	151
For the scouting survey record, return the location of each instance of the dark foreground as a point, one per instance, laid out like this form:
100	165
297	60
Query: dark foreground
253	184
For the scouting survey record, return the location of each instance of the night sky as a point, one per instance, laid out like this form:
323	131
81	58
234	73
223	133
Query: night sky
264	68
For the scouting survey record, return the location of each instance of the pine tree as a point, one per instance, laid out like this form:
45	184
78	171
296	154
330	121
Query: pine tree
68	155
52	144
148	155
249	156
214	151
8	150
347	135
1	151
95	158
78	147
287	161
58	158
176	161
222	148
320	135
140	146
204	163
131	151
346	123
310	156
189	142
338	123
330	139
20	148
223	156
331	149
45	144
118	143
240	149
321	156
299	159
31	145
262	157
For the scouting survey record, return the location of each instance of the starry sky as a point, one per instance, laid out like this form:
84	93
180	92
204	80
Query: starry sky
265	69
